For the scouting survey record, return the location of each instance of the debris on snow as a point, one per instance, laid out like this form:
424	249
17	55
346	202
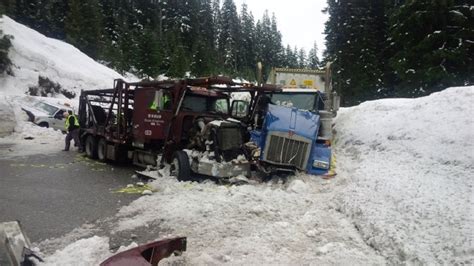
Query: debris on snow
147	192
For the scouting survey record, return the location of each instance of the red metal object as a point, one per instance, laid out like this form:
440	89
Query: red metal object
148	254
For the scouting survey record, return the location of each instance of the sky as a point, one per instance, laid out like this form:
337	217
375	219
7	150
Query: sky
301	22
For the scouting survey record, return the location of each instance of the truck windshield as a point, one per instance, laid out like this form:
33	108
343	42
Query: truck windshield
201	104
49	109
300	100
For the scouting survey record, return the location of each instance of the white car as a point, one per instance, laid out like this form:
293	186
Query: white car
46	114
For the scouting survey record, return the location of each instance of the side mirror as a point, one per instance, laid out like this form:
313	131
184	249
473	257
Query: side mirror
239	108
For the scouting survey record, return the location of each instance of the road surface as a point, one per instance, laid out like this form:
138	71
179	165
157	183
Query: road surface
53	194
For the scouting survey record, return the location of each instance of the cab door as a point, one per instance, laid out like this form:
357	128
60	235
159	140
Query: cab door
152	114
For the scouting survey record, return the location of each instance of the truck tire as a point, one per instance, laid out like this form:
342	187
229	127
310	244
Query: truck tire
102	150
43	124
91	147
180	166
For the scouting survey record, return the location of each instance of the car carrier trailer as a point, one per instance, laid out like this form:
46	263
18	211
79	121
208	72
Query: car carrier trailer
191	123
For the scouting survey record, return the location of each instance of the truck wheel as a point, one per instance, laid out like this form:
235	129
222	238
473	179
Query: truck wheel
102	150
91	147
43	124
180	166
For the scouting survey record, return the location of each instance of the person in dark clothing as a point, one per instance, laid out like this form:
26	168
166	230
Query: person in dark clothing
72	128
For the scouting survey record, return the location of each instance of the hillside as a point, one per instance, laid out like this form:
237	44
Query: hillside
61	67
34	55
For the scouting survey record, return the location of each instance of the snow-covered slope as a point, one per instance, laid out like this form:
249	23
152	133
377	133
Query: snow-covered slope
409	164
33	55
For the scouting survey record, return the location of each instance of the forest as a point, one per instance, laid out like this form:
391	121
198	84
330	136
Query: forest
387	48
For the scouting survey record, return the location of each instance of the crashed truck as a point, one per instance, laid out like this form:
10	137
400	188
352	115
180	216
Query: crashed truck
193	125
188	123
296	130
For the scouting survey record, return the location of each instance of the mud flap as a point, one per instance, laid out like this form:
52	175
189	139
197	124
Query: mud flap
148	254
15	246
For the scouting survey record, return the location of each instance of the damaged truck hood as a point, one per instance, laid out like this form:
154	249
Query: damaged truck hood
292	120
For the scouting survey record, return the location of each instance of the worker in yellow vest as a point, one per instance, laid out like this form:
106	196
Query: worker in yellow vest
72	128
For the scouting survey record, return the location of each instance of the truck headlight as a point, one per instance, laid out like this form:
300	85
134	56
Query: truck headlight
320	164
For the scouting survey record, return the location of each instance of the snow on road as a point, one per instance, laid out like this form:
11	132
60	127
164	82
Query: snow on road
410	170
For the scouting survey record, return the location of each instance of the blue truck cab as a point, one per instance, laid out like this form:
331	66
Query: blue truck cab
294	131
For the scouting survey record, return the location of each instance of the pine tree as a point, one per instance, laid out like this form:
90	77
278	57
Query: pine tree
229	36
291	59
302	58
5	62
204	54
7	7
313	59
248	54
83	26
355	40
432	44
269	48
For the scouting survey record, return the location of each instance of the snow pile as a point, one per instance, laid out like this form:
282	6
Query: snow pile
409	165
27	138
35	55
7	118
269	223
89	251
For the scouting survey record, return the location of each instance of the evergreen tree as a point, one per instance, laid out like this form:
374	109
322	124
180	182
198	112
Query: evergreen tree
302	58
291	59
248	54
229	36
268	44
7	7
83	26
5	62
204	52
432	44
313	59
148	38
355	37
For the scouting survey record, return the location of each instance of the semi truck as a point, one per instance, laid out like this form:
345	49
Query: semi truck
293	126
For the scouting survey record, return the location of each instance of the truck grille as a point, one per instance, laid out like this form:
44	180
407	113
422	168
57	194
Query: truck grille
282	149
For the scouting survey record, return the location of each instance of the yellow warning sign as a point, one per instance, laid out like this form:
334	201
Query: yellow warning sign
293	82
308	83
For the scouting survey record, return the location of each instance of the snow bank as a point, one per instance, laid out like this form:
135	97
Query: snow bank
409	166
27	138
7	118
33	55
271	223
89	251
